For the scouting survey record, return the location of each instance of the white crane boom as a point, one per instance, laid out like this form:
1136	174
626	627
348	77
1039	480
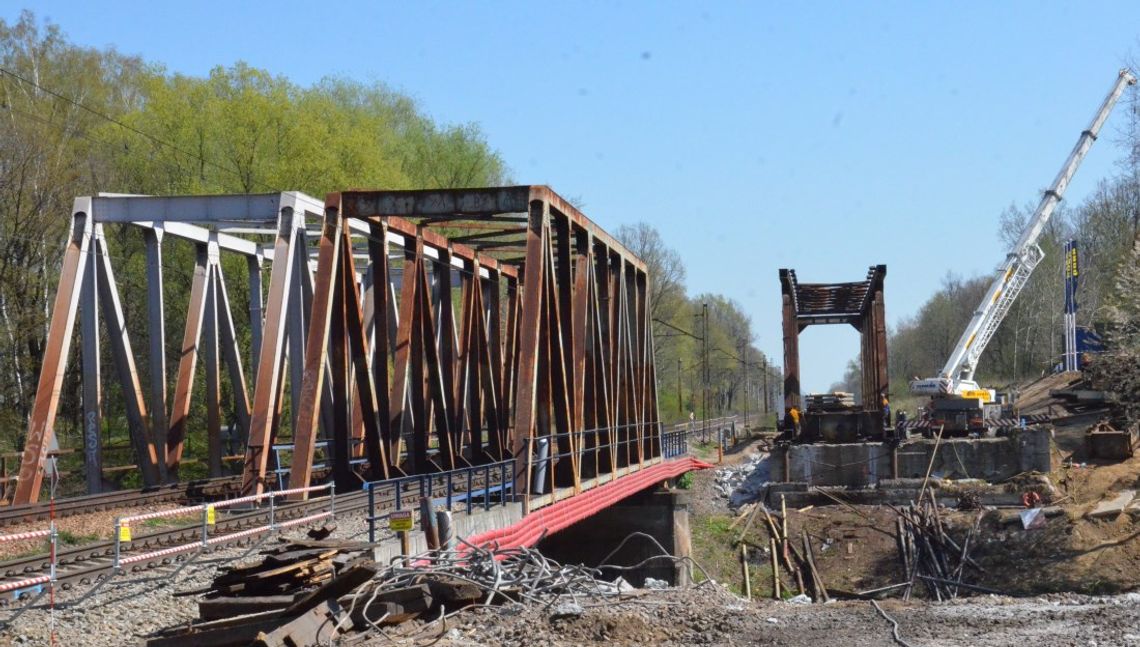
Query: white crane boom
958	373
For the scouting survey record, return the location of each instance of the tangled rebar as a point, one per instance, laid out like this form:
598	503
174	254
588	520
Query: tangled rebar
508	578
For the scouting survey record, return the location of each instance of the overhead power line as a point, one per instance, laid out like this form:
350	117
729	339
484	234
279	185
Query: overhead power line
125	126
716	348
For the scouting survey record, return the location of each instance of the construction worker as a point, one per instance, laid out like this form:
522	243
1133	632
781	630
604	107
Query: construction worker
886	412
793	421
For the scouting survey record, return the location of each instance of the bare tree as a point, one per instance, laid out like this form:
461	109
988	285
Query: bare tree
666	269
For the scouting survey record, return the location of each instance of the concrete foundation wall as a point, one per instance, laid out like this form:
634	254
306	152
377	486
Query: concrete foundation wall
464	525
664	515
863	464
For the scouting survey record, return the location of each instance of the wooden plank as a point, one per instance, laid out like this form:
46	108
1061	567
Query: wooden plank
228	607
347	581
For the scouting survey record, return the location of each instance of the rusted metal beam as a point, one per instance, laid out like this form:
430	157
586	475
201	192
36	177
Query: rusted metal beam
859	304
156	326
41	425
791	355
188	359
269	381
92	382
118	339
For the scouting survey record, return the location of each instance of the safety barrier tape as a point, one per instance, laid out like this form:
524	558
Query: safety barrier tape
174	550
175	512
274	493
260	529
297	522
187	510
20	536
19	584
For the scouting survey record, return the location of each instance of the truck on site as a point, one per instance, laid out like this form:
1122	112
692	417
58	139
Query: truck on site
958	404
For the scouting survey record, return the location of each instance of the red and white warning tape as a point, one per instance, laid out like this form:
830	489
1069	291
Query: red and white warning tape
266	495
175	512
19	584
20	536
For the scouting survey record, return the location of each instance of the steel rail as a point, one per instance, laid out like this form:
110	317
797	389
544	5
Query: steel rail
32	512
88	565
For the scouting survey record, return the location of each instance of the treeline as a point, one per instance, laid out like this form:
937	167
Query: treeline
79	120
1029	342
740	378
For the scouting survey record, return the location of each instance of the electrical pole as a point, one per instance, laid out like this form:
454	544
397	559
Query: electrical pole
680	386
705	358
744	370
765	386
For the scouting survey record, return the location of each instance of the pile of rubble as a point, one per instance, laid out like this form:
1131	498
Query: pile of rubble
321	592
745	481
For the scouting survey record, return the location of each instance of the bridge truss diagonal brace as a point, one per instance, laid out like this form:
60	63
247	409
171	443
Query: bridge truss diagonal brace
545	339
215	226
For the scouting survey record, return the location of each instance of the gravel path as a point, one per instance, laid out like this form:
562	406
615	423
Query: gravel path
133	605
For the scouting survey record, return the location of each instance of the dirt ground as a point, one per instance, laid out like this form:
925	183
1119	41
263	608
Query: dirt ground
709	616
1070	583
856	550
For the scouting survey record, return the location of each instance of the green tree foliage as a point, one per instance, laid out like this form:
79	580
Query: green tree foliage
1118	369
80	120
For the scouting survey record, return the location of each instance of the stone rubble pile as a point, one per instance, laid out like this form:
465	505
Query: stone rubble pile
744	482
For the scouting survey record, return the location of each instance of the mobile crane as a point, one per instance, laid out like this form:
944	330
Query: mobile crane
957	403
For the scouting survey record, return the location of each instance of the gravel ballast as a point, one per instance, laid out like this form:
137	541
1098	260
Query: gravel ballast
134	605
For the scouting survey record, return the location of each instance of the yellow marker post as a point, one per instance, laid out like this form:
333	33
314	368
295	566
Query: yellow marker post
400	522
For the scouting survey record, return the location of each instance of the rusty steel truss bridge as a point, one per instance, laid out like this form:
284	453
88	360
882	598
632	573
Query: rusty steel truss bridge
385	333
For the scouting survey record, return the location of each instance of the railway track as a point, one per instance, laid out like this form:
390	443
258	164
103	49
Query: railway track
89	564
190	491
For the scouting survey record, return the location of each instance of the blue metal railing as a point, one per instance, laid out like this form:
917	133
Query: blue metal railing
497	480
283	468
448	487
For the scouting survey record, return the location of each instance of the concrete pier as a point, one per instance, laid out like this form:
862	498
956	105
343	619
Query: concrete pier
865	464
662	514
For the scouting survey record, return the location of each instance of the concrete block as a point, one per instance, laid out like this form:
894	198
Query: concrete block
859	465
464	525
1112	507
1110	445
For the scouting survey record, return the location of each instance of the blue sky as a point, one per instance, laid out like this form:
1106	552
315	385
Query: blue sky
823	136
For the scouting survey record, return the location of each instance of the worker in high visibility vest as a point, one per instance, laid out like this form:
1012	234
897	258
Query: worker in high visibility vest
793	421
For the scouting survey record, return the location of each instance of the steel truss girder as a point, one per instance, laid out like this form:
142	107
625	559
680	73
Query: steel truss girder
859	304
433	379
87	286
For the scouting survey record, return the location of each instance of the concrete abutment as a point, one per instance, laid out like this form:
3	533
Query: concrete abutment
660	513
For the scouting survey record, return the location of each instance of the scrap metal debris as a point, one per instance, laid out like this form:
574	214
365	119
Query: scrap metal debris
929	554
315	592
